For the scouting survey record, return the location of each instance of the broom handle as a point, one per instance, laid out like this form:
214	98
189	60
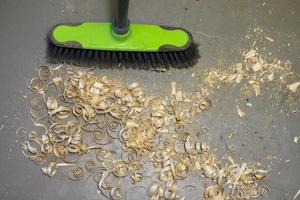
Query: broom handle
121	24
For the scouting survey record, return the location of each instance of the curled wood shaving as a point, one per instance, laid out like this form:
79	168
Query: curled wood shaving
214	192
136	177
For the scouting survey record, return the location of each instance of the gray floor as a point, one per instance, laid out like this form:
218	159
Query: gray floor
219	26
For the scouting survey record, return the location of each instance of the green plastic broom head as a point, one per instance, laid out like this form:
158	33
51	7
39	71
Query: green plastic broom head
145	46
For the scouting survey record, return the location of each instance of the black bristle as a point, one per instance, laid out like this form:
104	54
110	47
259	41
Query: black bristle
134	60
70	54
121	57
166	60
76	57
89	58
177	58
189	55
172	59
146	59
113	58
183	59
108	57
60	52
83	56
158	60
102	57
141	60
153	60
96	56
54	51
65	53
126	59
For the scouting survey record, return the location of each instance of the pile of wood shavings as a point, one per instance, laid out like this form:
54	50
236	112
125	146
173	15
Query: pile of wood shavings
254	71
254	75
80	115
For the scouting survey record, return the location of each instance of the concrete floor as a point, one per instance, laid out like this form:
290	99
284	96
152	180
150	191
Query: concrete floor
219	26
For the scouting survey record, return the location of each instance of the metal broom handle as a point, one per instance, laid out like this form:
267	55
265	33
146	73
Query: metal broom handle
121	22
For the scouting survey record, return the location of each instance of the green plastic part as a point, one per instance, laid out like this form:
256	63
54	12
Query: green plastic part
141	37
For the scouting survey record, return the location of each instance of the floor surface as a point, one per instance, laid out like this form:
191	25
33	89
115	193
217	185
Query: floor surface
219	26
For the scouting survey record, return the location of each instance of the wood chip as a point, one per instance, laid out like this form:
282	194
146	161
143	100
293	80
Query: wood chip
56	80
231	160
2	126
269	39
173	92
293	87
239	78
257	89
239	67
257	67
250	54
96	88
179	96
296	139
271	77
240	112
296	195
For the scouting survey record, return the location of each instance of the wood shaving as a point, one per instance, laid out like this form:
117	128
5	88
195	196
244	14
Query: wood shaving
250	54
271	77
173	92
57	80
293	87
2	126
269	39
257	67
240	112
296	139
296	195
257	88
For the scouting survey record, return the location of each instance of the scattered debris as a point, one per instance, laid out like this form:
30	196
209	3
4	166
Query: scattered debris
255	71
